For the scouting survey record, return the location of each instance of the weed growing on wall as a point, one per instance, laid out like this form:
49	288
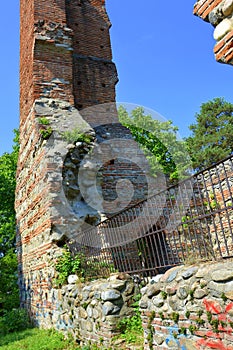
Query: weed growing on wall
44	129
81	265
43	121
131	327
150	330
76	135
46	133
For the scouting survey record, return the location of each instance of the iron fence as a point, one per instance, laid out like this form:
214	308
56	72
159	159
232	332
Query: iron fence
189	222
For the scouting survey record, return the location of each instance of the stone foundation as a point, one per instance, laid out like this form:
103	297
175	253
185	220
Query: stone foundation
89	312
189	307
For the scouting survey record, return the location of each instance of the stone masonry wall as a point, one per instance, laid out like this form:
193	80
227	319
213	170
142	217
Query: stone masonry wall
91	312
47	82
189	307
220	14
65	66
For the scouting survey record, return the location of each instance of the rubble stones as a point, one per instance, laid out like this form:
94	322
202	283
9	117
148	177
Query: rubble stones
96	307
227	7
194	291
220	14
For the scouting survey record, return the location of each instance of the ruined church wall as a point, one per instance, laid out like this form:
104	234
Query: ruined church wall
219	13
93	69
50	207
46	72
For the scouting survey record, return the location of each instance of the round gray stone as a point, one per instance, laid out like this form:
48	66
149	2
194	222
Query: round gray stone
109	308
110	295
222	275
189	273
182	292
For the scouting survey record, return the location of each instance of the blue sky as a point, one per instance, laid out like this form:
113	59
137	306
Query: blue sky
164	56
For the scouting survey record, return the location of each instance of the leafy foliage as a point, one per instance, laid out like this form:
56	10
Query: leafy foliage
43	121
131	327
8	163
159	141
81	265
9	292
46	132
9	297
76	135
211	139
67	265
14	320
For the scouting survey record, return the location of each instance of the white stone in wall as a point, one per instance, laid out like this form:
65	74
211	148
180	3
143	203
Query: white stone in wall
227	8
223	28
72	279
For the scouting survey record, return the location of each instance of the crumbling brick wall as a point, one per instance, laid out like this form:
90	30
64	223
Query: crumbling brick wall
61	66
65	67
220	14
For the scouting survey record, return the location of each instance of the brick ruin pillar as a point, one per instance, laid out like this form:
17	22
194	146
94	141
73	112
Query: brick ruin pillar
220	14
65	67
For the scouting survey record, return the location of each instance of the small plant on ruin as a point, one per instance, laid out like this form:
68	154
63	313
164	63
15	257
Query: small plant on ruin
164	294
175	335
200	313
43	121
152	316
150	330
215	324
223	296
223	324
214	204
175	317
187	314
161	315
67	265
136	298
183	220
183	330
200	321
131	328
192	328
46	133
76	135
209	316
191	294
81	265
45	130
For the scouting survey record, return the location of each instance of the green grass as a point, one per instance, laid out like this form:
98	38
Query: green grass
35	339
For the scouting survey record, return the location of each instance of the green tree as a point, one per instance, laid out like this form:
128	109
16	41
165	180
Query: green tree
8	261
159	141
9	292
212	134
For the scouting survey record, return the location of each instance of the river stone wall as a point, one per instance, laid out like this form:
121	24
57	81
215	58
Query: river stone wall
219	13
91	312
189	307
